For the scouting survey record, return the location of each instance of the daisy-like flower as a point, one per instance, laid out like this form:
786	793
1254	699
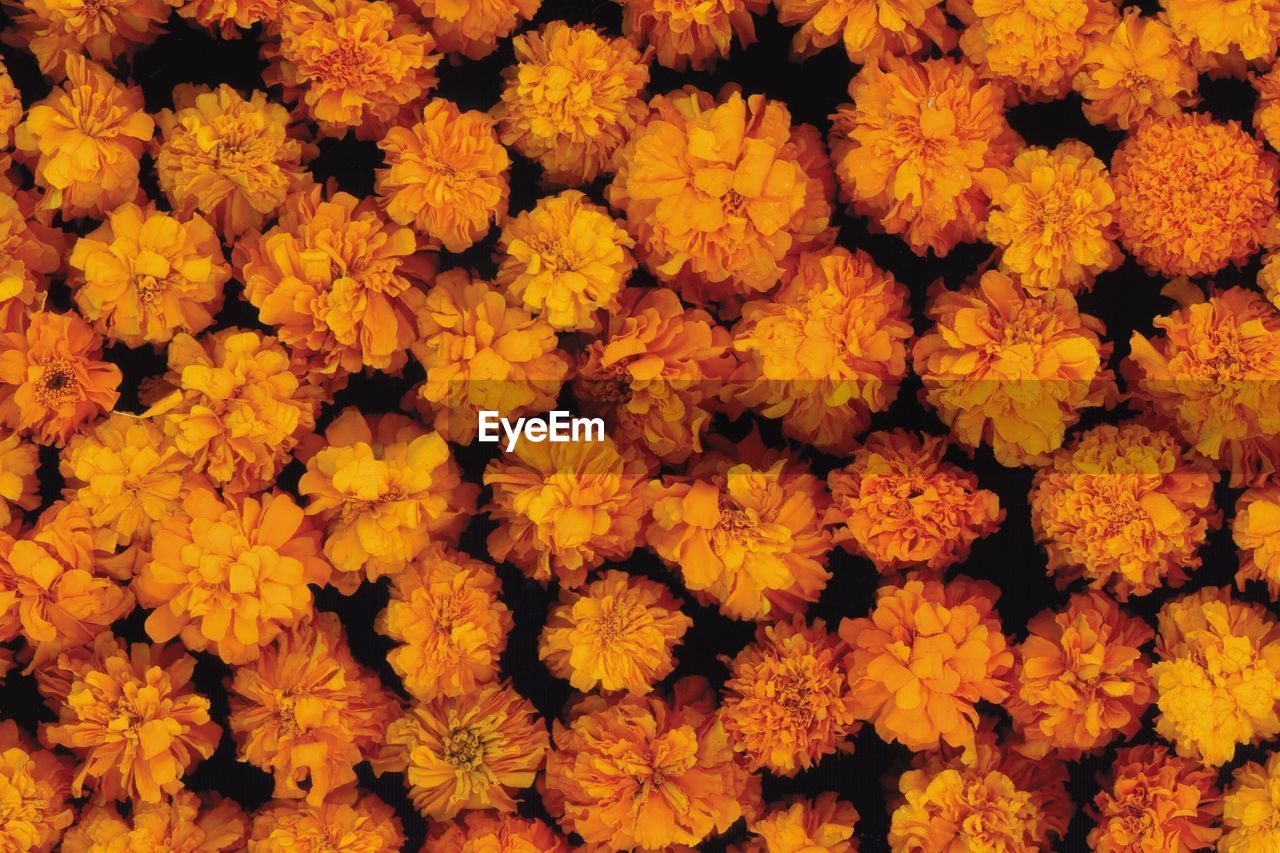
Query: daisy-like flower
446	175
349	821
900	505
1251	27
1251	808
642	772
1193	195
131	717
35	786
183	823
868	29
230	574
107	32
564	261
491	831
925	656
1256	530
232	159
30	252
1154	800
447	617
143	276
743	527
473	28
475	751
691	35
227	18
799	825
571	100
84	141
19	486
617	633
921	149
307	712
826	350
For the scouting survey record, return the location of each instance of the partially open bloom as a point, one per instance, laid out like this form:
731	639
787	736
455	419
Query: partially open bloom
642	772
446	175
84	141
1266	116
447	616
929	651
743	527
920	149
35	785
348	822
493	832
19	488
474	751
691	34
1012	369
230	574
106	32
1256	530
617	633
826	350
868	29
801	826
183	823
1193	195
10	106
228	17
1154	800
473	28
1218	676
30	251
1251	808
1251	27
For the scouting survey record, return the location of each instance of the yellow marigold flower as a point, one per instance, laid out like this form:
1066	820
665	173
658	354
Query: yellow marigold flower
1081	679
641	772
494	833
352	63
237	408
107	32
30	252
446	175
920	149
825	350
805	826
473	28
467	752
571	100
1256	530
19	486
928	652
35	785
564	261
228	17
787	701
1211	373
132	718
1250	26
348	822
446	614
183	823
1193	195
10	107
143	276
1154	800
1251	808
696	35
233	160
655	372
743	526
899	504
1139	69
617	633
868	29
1218	677
307	712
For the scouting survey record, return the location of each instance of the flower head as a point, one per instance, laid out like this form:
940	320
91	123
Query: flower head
799	826
182	823
228	17
1251	808
1256	530
1154	800
868	29
1266	116
35	786
1251	27
106	31
473	28
19	486
349	821
30	252
691	34
493	832
10	106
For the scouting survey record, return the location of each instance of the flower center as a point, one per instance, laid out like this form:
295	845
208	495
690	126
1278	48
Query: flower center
57	383
463	749
735	519
148	287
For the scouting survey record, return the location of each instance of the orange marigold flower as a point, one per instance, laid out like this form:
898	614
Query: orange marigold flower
805	826
473	28
1218	677
1256	530
233	160
826	350
19	486
696	35
1193	195
107	32
35	785
1251	27
1266	116
230	574
1251	808
899	504
920	149
131	716
307	712
84	141
494	833
228	17
641	772
1010	368
30	252
564	261
466	752
10	106
446	614
787	701
143	275
446	175
348	822
1154	800
928	652
183	823
743	526
868	29
617	633
1211	373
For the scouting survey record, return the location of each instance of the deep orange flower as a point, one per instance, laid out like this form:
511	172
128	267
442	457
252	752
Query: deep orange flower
868	29
491	832
228	17
691	34
106	32
1251	808
35	786
805	826
1154	800
10	106
1251	27
19	487
1256	530
30	252
348	822
183	823
473	28
1266	116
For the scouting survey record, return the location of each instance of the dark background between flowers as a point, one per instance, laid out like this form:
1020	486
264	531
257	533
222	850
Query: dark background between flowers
1126	300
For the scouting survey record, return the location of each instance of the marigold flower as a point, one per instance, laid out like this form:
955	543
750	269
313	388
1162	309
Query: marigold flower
1154	800
183	823
106	32
799	825
498	833
1250	26
920	149
1251	808
467	752
641	772
696	35
10	106
19	486
744	528
1256	530
868	29
132	718
348	822
617	633
30	252
446	175
35	785
824	351
1266	116
473	28
232	159
927	653
228	17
